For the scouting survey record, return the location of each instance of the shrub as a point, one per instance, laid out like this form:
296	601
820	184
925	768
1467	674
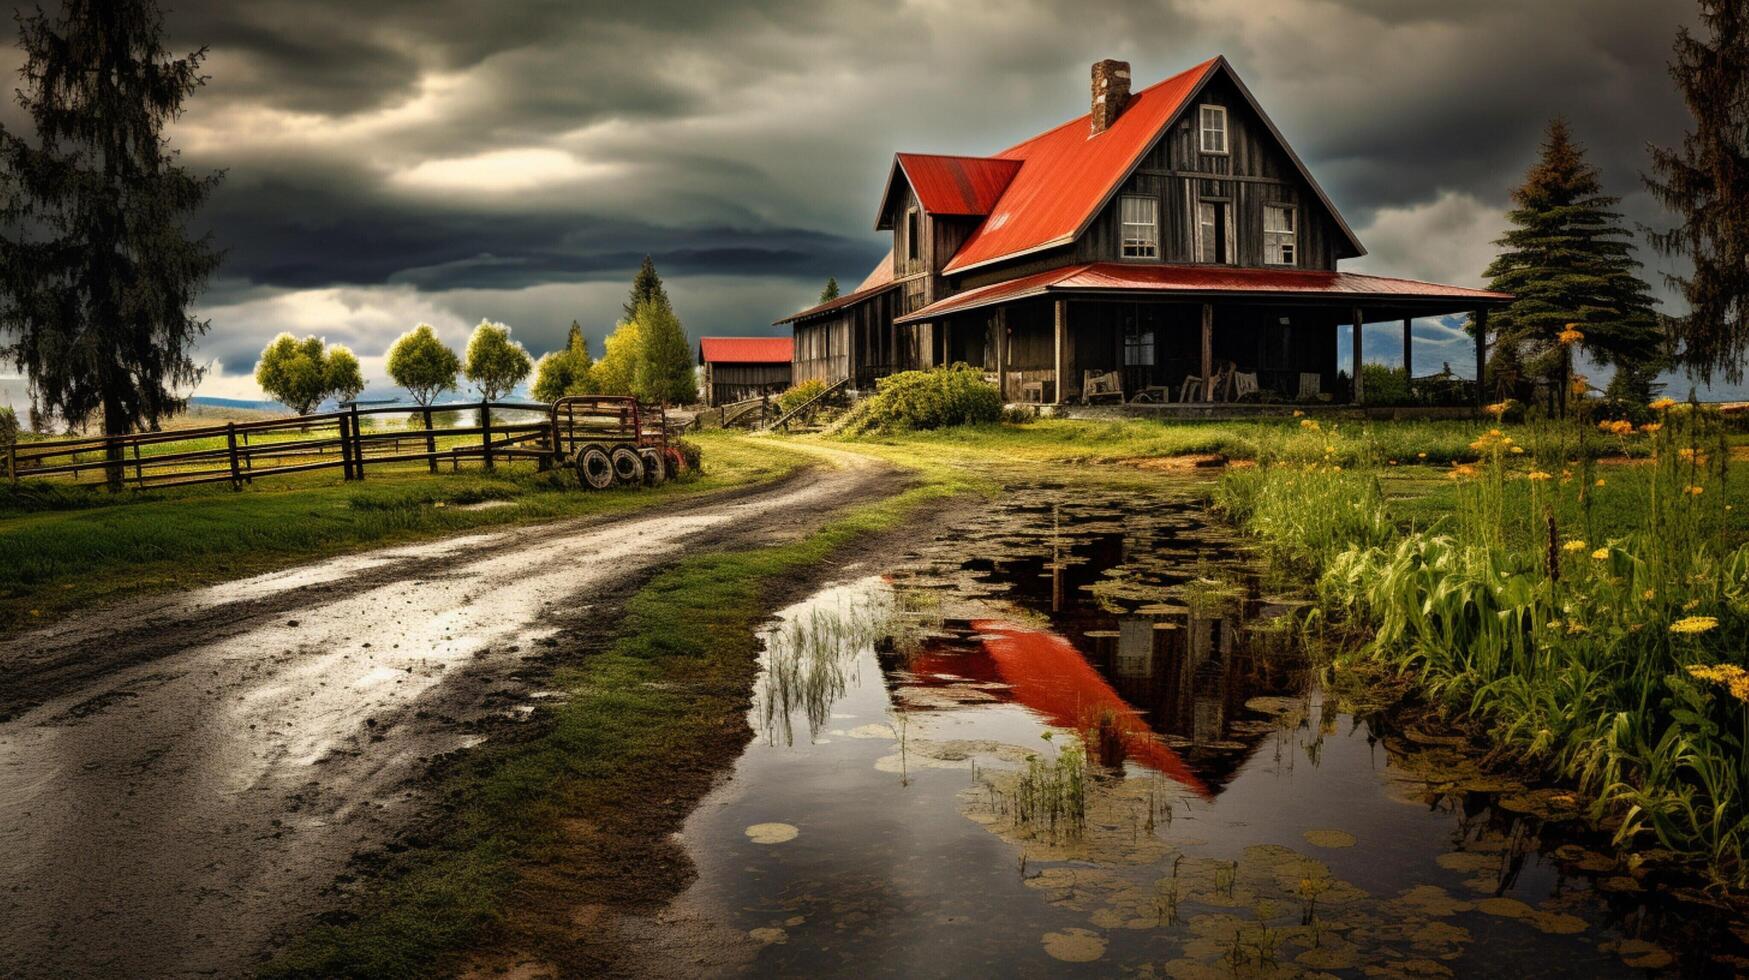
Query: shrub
8	427
1385	385
799	395
925	400
690	452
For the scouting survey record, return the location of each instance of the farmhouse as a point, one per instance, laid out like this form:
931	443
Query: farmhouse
1169	246
743	367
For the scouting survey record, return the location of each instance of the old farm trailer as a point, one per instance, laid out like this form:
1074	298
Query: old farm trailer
613	439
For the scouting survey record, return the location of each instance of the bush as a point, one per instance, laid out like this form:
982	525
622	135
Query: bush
690	452
1385	385
934	399
8	427
799	395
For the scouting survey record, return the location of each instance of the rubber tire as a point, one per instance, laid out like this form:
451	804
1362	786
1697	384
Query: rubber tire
655	467
676	461
594	467
628	466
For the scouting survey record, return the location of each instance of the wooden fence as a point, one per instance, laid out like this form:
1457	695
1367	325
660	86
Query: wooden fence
242	452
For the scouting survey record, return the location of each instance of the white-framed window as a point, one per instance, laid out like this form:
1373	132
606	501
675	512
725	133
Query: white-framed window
1212	127
1141	227
1214	228
1280	227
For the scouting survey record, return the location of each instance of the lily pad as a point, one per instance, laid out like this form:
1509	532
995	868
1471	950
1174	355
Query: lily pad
1074	945
772	833
1329	838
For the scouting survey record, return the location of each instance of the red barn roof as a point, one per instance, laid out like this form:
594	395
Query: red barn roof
745	350
955	186
1203	280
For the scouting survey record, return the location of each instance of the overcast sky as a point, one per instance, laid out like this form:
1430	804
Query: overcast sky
392	162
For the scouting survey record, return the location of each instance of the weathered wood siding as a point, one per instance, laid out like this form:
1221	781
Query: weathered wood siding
724	383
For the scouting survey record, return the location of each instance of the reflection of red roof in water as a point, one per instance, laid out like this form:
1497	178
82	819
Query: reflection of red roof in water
1046	673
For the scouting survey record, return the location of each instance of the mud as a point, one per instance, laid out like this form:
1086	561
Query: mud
183	779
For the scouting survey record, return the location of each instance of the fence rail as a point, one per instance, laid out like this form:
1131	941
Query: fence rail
351	440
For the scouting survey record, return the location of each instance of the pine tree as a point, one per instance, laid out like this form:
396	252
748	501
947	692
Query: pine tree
646	288
1570	263
830	293
97	271
664	371
1705	181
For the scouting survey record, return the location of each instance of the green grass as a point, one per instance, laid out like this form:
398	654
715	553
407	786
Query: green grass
677	676
64	548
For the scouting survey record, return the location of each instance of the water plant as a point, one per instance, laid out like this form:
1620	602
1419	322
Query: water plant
1600	649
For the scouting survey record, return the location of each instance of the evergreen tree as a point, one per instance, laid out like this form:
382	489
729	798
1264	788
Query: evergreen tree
565	371
646	288
1570	263
1705	181
664	372
97	271
830	293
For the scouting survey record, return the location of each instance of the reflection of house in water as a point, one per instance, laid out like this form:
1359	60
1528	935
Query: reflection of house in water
1135	599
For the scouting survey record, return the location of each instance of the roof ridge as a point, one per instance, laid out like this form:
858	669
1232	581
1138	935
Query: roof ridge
1198	67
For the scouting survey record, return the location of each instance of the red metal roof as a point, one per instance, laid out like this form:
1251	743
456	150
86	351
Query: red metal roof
1066	174
746	350
878	280
964	186
1202	280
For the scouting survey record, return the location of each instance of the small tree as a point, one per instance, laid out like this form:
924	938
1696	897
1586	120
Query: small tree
8	427
1705	183
830	293
565	371
617	369
495	363
420	363
303	373
664	372
1569	262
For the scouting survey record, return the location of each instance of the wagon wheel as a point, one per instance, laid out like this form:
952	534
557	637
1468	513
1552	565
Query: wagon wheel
655	467
594	467
628	467
676	461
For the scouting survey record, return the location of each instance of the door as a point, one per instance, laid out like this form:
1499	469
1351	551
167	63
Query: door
1214	222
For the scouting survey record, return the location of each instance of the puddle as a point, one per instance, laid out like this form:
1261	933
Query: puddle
1079	737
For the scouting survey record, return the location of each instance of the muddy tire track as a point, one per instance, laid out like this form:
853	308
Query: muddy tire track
183	779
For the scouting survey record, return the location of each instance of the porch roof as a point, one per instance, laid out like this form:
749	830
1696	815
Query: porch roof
879	281
1116	279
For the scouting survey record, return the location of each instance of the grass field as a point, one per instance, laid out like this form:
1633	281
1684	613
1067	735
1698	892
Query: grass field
64	548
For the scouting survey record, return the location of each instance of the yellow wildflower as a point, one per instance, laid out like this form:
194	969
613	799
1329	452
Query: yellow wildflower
1538	476
1311	424
1571	335
1617	427
1649	594
1734	678
1574	626
1651	427
1693	490
1600	554
1298	413
1420	455
1694	624
1691	605
1599	481
1662	404
1575	544
1497	410
1518	450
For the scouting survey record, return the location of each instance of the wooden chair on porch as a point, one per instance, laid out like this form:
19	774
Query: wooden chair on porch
1191	389
1245	385
1311	387
1101	384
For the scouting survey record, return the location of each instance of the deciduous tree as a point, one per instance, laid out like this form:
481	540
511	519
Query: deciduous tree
303	373
495	363
422	364
618	367
97	269
564	371
1705	183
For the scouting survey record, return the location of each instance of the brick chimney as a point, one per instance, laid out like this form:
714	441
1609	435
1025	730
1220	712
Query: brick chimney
1111	92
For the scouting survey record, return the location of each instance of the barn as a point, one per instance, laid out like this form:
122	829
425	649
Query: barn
744	367
1169	247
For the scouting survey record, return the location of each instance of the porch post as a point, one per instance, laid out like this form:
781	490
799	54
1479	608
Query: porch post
1002	352
1358	389
1061	308
1208	352
1408	356
1481	317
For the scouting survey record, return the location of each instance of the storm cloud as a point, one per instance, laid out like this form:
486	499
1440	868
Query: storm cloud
451	160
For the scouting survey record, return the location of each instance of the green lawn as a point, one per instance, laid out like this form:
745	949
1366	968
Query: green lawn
64	548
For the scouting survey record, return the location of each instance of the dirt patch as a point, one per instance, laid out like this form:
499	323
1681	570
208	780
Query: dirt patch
1177	464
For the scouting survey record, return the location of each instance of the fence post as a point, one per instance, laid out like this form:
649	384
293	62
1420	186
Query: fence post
486	431
139	470
12	462
357	445
345	446
430	440
231	444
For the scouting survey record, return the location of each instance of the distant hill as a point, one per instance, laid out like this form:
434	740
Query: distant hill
256	405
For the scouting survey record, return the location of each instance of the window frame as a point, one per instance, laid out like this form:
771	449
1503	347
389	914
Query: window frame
1123	226
1216	203
1272	237
913	235
1203	130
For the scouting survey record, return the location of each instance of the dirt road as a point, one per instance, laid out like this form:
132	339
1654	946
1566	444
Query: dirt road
181	779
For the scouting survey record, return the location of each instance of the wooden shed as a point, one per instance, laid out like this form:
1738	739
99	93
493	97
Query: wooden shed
744	367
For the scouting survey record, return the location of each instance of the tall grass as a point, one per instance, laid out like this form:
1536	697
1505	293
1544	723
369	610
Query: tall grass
1617	665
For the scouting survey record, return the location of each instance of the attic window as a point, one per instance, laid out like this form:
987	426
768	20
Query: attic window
913	239
1278	234
1213	127
1141	227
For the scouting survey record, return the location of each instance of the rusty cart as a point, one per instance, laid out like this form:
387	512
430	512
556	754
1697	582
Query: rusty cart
613	439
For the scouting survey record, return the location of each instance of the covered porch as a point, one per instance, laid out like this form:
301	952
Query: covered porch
1113	342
